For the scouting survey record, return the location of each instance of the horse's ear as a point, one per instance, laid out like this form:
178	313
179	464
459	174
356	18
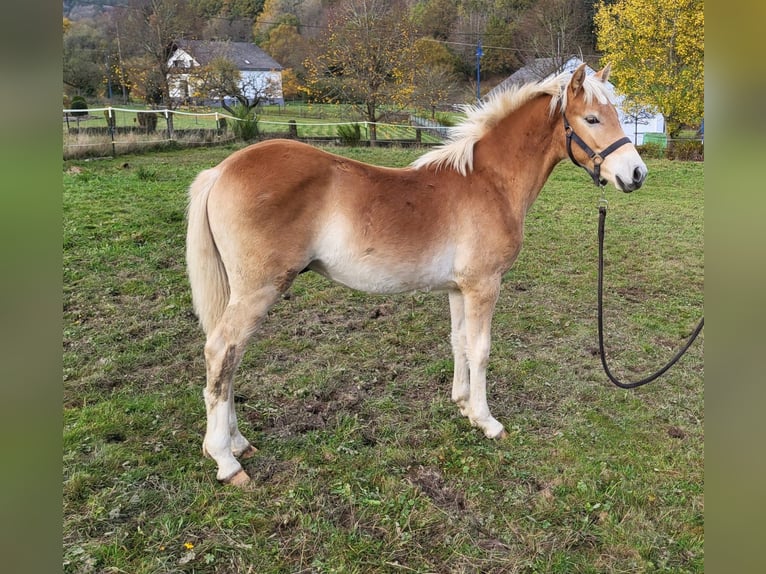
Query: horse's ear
603	74
578	77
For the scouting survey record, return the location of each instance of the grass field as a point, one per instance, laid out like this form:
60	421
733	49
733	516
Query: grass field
364	463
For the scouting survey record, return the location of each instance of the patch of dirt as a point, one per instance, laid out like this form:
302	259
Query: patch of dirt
675	432
430	481
633	293
299	416
269	469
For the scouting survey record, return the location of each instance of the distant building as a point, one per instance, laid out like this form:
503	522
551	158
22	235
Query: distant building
635	124
260	74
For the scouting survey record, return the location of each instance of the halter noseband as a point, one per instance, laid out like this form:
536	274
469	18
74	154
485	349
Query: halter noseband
597	158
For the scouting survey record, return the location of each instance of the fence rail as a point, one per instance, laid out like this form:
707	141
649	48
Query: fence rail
114	130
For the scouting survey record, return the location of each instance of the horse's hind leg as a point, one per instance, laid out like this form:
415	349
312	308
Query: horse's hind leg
223	352
460	381
240	446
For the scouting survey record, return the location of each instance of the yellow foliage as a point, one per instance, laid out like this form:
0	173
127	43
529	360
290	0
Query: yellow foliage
291	86
367	58
657	52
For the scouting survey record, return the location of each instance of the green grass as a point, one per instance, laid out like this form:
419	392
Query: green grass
364	464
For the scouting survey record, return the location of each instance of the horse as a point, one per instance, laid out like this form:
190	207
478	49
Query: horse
453	220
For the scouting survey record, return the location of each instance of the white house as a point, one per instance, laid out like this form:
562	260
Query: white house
260	74
635	124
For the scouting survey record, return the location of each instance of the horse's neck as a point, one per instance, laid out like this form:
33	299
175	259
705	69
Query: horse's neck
521	151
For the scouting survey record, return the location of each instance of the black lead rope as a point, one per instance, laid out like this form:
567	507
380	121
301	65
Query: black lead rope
678	355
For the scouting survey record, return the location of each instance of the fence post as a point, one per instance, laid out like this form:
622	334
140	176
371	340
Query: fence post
169	122
293	128
112	121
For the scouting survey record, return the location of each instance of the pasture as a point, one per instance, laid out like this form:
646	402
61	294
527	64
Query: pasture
364	464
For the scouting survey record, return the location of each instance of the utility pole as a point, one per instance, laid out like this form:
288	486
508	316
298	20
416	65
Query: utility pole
479	54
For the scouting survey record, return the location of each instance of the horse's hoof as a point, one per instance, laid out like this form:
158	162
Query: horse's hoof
248	452
239	478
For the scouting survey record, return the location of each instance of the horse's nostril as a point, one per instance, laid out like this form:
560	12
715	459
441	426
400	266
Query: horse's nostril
638	175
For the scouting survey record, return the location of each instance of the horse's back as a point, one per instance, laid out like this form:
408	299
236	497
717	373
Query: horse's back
371	228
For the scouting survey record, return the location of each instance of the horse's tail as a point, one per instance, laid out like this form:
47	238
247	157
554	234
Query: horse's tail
207	275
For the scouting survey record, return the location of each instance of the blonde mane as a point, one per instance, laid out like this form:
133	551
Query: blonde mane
457	152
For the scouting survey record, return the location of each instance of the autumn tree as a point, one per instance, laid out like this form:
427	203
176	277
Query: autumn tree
366	58
555	30
218	80
148	29
499	56
435	79
221	80
435	18
284	43
657	53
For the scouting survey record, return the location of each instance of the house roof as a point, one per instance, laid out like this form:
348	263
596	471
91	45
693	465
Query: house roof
539	69
245	55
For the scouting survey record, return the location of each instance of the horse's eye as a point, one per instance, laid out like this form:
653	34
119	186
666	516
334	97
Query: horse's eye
591	119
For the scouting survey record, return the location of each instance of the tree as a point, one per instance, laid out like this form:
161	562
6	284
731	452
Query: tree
85	58
284	43
218	80
367	59
149	28
221	80
499	56
555	29
657	52
435	78
436	17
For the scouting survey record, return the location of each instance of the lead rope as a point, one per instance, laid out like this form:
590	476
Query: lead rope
678	355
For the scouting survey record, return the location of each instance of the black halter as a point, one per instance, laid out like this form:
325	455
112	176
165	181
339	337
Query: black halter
596	157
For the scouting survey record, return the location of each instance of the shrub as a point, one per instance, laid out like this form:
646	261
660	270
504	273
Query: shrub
246	125
148	121
79	103
350	134
689	150
651	151
444	119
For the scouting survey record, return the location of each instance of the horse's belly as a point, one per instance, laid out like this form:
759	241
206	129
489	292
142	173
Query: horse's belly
378	276
382	259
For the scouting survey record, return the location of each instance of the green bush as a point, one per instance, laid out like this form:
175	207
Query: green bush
651	151
445	119
246	125
79	103
350	134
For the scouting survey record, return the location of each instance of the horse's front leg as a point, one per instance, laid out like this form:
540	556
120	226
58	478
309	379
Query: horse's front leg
460	379
479	306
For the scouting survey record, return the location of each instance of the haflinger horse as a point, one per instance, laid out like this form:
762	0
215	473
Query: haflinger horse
452	221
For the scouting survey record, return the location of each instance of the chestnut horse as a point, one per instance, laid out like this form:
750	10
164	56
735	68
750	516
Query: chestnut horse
451	221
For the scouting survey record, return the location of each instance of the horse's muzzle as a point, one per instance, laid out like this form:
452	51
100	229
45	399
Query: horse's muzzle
638	177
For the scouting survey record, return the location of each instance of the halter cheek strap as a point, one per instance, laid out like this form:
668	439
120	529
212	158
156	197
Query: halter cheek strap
596	157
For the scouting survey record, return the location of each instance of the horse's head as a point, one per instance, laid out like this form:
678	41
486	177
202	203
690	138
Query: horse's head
595	139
